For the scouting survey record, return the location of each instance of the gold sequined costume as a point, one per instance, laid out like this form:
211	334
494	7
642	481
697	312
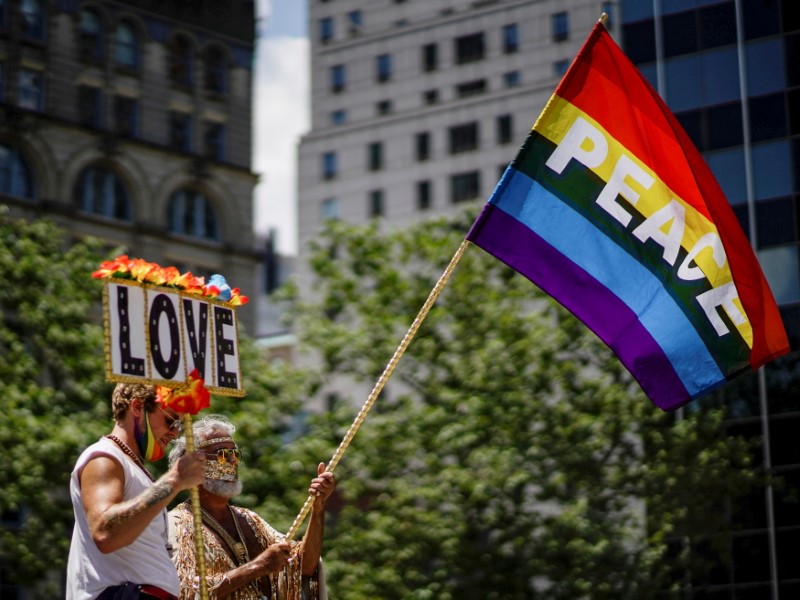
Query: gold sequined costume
288	584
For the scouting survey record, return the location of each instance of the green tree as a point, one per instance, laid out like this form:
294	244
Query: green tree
510	456
52	394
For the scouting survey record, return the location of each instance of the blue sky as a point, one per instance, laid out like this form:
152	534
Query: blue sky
288	18
280	115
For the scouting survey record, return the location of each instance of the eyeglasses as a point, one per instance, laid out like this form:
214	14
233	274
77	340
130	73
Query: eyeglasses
232	456
172	423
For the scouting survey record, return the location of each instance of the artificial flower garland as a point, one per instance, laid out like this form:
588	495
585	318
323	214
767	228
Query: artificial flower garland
142	271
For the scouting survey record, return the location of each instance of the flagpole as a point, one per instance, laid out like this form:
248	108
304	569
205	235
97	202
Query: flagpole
387	372
197	517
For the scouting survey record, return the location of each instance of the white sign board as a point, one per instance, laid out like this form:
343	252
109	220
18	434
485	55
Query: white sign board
159	335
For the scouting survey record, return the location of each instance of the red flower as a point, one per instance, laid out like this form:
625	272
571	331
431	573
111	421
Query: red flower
187	399
109	268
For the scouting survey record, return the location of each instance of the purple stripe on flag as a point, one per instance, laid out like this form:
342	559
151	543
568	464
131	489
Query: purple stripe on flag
609	317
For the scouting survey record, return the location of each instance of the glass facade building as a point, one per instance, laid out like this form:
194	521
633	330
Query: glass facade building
730	71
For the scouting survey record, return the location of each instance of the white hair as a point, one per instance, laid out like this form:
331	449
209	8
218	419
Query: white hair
205	428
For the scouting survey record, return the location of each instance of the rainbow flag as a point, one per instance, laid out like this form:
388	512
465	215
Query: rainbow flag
610	209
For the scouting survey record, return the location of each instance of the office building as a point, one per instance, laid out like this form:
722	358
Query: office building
729	72
417	107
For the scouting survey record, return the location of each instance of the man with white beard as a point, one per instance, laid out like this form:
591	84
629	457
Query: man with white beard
245	557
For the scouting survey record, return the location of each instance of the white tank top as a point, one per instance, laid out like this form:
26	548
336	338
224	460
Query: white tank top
146	560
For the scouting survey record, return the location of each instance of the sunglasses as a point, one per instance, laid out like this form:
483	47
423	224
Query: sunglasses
232	456
172	423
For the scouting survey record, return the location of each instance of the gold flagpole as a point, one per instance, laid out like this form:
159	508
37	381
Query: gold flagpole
194	494
387	372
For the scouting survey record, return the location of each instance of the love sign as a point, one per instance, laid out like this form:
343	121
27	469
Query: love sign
159	335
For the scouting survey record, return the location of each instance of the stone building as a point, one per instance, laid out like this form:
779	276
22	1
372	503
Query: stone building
131	122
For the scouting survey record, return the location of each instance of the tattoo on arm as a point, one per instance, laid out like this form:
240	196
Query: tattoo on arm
160	491
126	511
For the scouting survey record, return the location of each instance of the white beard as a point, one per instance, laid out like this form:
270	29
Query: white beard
225	489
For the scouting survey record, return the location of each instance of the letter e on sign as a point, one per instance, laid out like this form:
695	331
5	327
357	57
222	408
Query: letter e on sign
226	352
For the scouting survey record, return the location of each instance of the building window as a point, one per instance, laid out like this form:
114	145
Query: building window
463	138
430	97
180	131
33	19
375	156
214	141
465	186
126	45
99	191
560	67
430	58
329	166
190	213
326	30
422	145
215	71
469	48
471	88
504	129
16	178
423	195
383	68
90	106
511	79
355	21
510	38
376	206
560	26
126	116
338	78
384	107
608	8
91	42
31	90
781	268
339	117
179	51
330	208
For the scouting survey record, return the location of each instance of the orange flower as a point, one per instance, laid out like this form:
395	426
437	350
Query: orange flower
188	282
109	268
140	269
237	299
190	399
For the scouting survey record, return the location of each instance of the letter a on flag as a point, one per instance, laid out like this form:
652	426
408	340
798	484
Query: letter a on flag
611	210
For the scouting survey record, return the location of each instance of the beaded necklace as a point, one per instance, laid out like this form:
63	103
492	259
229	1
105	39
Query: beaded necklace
124	447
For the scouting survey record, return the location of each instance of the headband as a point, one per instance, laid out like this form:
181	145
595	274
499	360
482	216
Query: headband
215	441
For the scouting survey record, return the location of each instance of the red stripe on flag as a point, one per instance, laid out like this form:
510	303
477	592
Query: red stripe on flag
603	83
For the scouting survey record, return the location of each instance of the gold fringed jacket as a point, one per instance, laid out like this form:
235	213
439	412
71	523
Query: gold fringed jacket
288	584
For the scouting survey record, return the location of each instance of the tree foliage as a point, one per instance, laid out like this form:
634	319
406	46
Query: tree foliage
54	402
52	393
511	456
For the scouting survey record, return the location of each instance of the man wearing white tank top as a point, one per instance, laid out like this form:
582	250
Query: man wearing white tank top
119	543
